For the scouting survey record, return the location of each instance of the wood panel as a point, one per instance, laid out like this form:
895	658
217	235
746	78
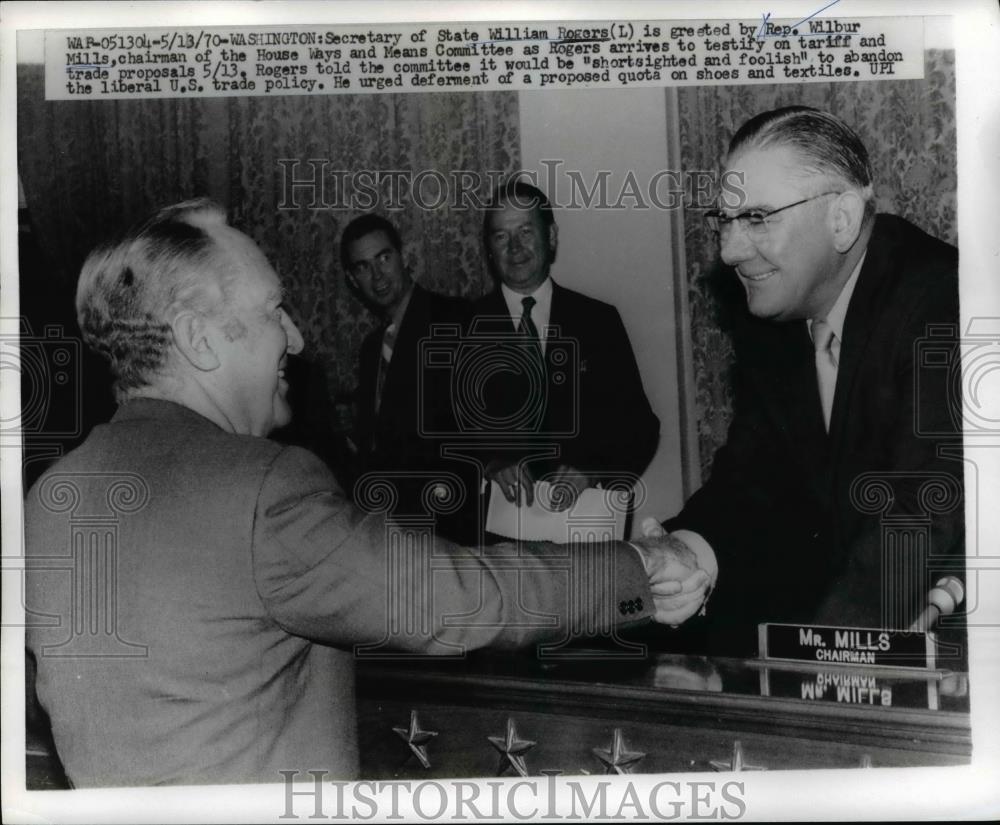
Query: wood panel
568	716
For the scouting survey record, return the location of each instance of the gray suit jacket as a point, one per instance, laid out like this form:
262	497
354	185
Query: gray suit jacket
195	599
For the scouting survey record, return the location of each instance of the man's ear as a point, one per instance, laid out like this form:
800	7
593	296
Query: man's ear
847	217
553	241
193	337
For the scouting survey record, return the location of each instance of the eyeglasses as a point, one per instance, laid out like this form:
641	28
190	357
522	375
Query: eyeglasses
753	221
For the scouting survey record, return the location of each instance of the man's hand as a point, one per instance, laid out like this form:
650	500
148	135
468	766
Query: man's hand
512	479
675	608
666	558
567	484
679	586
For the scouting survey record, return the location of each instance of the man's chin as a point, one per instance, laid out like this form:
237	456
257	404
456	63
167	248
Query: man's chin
282	414
761	307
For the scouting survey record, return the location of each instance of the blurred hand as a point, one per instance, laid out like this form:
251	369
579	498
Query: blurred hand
675	608
666	558
512	479
567	484
678	584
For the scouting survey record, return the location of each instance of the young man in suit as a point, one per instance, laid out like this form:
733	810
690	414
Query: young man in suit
569	388
842	441
197	591
401	406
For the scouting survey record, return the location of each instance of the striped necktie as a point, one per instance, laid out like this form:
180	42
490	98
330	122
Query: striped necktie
388	342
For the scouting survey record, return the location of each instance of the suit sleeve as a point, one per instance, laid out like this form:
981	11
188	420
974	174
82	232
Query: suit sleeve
327	572
746	514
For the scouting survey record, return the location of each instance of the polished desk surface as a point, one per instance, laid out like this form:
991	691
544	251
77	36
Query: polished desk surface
668	713
681	713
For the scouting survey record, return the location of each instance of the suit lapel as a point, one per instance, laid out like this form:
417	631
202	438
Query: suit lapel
492	316
504	321
564	397
402	368
561	320
797	389
557	309
860	325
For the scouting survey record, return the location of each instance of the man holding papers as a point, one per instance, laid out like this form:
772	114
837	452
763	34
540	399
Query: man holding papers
561	375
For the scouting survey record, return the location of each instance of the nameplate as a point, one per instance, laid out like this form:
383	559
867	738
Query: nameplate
851	687
849	646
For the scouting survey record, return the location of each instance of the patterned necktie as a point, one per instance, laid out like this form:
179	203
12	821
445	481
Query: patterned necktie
528	329
825	343
388	342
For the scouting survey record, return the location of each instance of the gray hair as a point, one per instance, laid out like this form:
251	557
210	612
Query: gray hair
826	145
131	288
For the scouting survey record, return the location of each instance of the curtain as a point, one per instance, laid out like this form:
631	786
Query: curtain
90	168
908	127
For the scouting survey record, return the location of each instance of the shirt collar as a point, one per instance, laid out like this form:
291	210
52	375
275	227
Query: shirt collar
836	316
540	312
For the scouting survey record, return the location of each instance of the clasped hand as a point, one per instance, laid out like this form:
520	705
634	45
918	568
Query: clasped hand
679	585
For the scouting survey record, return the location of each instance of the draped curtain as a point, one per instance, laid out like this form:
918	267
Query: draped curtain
91	168
908	127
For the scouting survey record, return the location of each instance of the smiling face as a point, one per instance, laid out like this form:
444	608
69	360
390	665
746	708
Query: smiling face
256	337
376	269
794	270
520	248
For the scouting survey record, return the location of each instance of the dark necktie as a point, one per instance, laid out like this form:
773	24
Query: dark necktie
535	365
528	329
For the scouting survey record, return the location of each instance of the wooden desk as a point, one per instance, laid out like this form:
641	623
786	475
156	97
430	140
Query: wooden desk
680	713
674	714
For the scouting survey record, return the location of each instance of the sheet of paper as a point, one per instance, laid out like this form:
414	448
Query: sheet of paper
597	515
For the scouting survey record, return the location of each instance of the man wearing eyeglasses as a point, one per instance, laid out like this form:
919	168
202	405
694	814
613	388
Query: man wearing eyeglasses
824	462
388	431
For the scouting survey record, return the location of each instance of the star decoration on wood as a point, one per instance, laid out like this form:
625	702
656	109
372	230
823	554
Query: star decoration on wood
416	738
737	764
512	749
619	759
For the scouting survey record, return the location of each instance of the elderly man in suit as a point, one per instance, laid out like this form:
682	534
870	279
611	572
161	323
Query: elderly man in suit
401	407
832	447
199	589
569	383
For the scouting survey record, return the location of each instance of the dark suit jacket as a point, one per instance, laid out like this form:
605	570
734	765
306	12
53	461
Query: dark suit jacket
399	416
402	440
802	521
199	596
591	410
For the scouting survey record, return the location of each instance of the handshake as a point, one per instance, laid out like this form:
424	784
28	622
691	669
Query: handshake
679	584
